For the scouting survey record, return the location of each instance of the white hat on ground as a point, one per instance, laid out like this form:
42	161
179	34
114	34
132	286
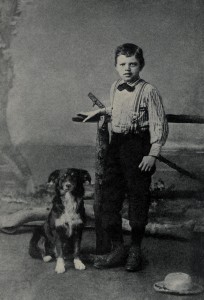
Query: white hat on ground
178	283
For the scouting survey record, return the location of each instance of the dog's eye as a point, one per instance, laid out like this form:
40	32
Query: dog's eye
64	176
73	176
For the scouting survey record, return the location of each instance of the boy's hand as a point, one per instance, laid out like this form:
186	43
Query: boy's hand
89	114
147	163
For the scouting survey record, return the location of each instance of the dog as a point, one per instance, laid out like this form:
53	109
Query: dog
64	225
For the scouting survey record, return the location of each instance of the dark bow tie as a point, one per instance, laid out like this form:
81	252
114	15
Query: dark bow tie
125	86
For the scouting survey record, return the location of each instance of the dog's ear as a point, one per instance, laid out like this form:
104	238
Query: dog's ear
85	176
53	177
79	189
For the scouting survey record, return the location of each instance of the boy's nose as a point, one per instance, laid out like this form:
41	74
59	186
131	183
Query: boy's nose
127	67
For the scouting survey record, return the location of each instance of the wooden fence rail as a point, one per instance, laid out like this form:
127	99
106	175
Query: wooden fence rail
185	119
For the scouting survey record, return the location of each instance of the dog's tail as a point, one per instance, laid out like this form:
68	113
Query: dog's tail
37	243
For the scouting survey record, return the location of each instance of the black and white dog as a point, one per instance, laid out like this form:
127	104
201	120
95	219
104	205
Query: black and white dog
65	222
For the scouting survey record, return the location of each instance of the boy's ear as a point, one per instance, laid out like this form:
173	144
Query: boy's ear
116	68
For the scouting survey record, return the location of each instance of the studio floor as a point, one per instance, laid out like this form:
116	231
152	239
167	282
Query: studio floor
24	278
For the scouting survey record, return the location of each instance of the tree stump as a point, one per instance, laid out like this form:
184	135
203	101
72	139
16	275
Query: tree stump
103	243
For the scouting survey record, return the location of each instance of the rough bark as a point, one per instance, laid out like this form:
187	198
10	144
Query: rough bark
103	243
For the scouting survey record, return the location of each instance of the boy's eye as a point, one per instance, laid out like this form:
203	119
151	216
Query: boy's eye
122	64
133	64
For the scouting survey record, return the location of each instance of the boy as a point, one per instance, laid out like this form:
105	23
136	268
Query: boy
139	129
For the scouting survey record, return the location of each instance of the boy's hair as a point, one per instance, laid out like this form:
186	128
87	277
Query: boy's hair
130	50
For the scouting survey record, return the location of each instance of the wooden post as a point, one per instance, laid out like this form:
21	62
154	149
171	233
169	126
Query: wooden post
103	243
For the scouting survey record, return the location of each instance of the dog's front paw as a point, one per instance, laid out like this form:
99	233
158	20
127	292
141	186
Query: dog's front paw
78	264
47	258
60	266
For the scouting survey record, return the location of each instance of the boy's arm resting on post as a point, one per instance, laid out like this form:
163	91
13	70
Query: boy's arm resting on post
158	128
100	112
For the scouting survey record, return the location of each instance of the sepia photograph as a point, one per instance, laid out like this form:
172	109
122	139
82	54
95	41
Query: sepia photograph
101	149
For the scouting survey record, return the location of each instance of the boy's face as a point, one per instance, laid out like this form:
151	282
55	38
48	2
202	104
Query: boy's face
128	68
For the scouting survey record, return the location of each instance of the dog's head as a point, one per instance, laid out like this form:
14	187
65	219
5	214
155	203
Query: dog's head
55	175
69	180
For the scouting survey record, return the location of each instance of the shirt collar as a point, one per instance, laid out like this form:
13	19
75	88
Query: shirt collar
133	83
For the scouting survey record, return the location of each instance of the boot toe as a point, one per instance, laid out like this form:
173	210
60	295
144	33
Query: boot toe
134	267
134	261
114	259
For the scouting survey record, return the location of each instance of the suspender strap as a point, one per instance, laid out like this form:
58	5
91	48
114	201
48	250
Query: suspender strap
138	97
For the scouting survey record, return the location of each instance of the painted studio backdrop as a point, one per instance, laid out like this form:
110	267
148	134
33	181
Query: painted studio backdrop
62	50
53	53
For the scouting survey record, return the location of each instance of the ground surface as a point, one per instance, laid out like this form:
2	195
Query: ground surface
23	278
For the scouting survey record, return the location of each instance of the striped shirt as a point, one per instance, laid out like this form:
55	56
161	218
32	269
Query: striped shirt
129	115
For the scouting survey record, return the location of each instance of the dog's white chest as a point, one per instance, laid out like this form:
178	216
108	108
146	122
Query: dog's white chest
70	205
69	217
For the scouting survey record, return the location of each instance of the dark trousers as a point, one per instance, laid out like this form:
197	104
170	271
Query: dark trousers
123	177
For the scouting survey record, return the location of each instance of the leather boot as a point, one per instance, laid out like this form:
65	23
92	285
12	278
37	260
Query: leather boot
114	258
134	261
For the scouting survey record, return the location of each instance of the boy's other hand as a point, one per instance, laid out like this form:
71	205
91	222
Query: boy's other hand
147	163
89	114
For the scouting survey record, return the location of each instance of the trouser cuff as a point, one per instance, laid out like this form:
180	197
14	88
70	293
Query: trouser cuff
137	235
